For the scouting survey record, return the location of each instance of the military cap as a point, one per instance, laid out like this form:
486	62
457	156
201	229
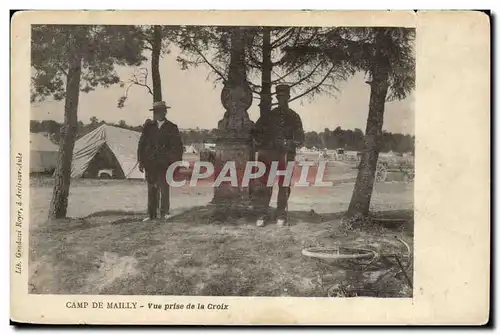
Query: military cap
283	89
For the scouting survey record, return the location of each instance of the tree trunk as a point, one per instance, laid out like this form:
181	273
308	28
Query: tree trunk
155	63
267	67
361	197
62	177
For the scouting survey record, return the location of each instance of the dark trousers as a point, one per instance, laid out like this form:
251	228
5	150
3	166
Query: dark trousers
158	192
261	193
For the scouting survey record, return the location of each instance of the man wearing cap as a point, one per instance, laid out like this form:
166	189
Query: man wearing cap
276	135
159	146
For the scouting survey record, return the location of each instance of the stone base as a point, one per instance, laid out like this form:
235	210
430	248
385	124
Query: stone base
230	201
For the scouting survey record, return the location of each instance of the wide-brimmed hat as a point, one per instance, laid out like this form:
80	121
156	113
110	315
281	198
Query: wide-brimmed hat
159	104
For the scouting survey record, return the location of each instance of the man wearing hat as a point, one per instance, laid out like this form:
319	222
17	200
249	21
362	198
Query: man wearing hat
276	135
159	146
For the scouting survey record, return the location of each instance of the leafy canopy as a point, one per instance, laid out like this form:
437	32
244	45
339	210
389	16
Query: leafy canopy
99	47
211	46
363	50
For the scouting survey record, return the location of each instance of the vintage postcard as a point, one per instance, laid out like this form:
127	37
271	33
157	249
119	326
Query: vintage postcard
250	167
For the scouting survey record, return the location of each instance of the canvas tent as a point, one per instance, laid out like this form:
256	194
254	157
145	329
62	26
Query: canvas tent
302	150
107	148
43	153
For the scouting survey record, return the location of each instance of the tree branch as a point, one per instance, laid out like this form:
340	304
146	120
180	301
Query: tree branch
143	85
308	41
62	70
282	39
148	45
135	81
254	88
256	63
315	86
289	72
279	62
219	73
309	75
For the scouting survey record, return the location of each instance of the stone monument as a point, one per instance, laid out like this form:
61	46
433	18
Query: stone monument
233	141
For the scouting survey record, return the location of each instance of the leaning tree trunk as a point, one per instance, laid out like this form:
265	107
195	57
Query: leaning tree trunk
155	63
361	197
267	67
62	177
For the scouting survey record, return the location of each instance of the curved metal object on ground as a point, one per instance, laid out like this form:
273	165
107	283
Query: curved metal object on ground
339	253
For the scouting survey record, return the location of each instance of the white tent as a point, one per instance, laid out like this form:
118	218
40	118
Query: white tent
107	148
209	146
302	150
43	153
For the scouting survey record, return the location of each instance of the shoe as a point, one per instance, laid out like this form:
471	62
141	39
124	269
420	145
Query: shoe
166	217
260	223
281	222
147	219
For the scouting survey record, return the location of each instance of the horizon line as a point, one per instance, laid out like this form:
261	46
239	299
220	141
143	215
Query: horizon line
110	123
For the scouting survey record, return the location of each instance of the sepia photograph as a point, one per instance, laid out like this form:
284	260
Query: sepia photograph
175	167
114	106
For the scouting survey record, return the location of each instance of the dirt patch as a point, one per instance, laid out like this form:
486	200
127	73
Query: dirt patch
111	268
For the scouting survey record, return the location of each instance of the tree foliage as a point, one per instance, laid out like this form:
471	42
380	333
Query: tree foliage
211	46
157	40
355	50
101	47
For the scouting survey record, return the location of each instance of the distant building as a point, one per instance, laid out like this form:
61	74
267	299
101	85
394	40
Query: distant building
210	146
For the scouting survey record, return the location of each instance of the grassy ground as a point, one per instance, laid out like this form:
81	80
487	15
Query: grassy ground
104	248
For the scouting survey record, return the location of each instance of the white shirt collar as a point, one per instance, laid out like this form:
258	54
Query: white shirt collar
160	123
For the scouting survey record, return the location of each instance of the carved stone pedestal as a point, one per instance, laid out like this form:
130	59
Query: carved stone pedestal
232	202
233	141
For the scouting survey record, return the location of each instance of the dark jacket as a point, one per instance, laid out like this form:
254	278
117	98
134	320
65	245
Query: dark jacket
159	147
273	128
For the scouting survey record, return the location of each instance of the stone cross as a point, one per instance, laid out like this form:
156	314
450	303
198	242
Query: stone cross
233	142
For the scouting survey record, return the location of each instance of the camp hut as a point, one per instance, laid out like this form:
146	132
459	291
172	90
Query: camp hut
107	152
43	153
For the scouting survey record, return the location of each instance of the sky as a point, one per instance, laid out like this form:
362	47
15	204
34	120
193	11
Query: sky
195	103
